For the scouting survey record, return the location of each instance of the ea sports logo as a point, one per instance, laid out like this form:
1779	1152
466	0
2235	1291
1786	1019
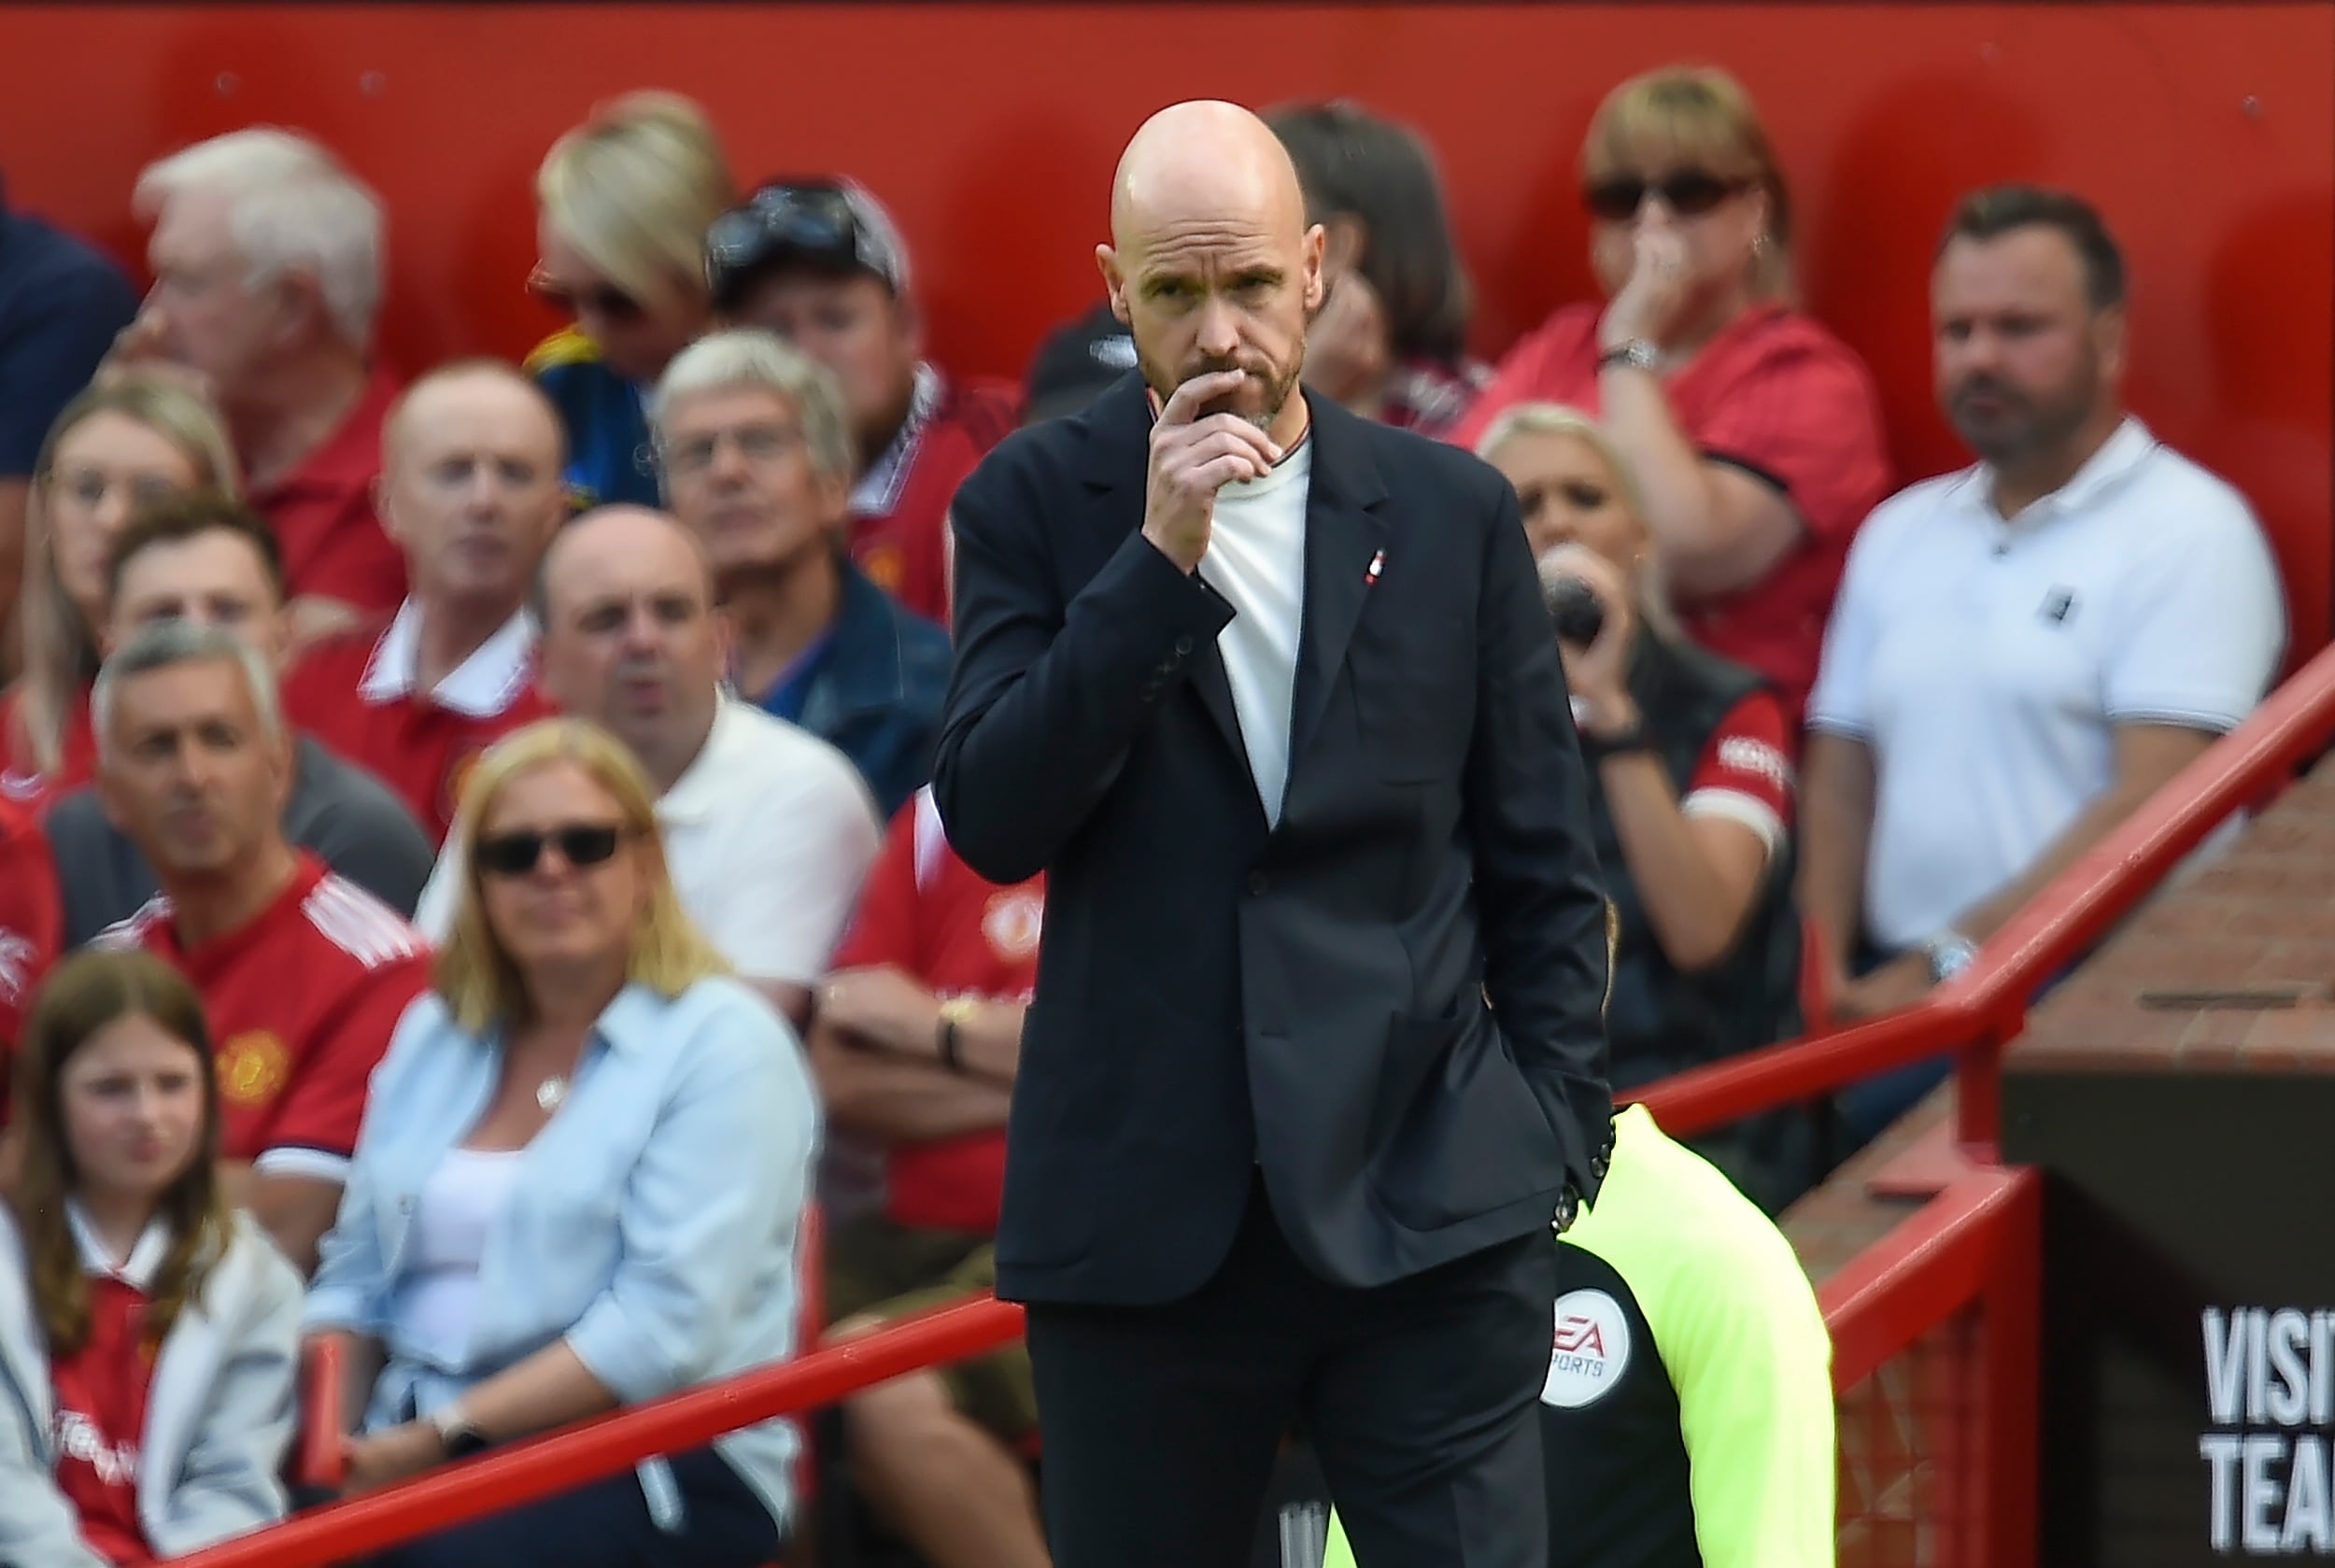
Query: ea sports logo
1589	1351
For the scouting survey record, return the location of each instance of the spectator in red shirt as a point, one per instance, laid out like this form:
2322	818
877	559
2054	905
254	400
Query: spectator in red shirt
267	255
203	557
915	1043
1390	340
819	263
1689	790
115	446
1755	433
149	1335
302	974
31	913
471	489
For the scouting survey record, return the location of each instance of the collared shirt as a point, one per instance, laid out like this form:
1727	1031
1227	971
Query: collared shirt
333	545
899	507
419	743
101	1392
768	834
652	1225
1987	662
300	1000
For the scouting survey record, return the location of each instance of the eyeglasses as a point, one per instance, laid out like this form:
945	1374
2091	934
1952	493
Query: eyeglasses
606	299
1688	192
757	443
582	845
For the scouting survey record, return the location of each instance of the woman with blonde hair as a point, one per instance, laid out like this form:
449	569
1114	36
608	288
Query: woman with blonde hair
149	1336
136	436
580	1181
1690	788
1755	433
623	201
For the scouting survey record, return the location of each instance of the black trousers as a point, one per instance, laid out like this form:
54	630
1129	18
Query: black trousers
1420	1397
608	1524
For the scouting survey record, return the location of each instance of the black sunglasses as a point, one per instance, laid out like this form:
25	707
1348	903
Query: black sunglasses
1688	192
812	221
611	302
515	855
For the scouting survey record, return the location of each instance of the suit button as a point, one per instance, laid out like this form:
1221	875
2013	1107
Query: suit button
1259	884
1183	647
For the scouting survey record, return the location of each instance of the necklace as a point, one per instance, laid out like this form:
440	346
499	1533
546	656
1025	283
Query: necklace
550	1092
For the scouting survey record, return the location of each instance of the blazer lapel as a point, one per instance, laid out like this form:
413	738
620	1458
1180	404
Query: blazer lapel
1344	536
1118	437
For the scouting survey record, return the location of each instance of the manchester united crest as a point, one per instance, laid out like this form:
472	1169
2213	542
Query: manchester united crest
1012	922
253	1068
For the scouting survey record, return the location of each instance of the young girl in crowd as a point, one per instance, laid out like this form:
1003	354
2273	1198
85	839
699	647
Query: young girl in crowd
148	1335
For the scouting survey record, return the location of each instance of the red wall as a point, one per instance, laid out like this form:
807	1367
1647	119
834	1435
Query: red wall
2206	133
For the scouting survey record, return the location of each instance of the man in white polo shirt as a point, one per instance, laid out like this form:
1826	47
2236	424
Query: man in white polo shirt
769	830
2023	651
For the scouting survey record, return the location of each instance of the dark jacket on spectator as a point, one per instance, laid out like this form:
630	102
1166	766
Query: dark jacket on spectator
875	691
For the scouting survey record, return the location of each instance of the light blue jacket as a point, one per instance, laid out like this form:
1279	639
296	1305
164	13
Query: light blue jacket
218	1413
653	1224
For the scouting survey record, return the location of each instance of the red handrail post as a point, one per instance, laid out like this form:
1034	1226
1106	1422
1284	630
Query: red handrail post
2005	1523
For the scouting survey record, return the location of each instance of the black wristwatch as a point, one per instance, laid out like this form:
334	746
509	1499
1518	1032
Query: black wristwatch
1596	748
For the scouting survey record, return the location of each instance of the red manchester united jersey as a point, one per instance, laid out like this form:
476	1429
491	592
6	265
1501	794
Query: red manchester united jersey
30	920
928	913
302	1001
355	694
899	508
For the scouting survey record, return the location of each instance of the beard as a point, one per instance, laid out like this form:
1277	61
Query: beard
2005	424
1259	399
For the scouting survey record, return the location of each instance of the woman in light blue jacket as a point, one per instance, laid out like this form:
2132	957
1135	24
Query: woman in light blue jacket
579	1182
148	1335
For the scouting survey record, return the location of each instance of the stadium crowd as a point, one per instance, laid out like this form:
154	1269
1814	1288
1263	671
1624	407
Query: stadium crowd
469	883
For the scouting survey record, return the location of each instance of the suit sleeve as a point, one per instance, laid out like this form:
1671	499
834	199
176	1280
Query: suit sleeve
1541	900
1047	698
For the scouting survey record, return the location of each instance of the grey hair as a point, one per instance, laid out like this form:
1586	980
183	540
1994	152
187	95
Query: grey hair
749	357
293	206
166	643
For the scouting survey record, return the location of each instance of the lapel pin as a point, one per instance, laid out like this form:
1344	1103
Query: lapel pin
1377	564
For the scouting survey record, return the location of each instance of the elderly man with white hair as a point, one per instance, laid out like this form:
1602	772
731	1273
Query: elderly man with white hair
267	262
756	450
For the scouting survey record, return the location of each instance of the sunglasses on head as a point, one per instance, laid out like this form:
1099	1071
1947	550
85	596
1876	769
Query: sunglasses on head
810	222
606	299
1688	192
515	855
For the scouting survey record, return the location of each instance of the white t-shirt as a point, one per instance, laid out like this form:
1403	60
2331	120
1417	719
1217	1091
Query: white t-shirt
1988	663
769	833
1256	559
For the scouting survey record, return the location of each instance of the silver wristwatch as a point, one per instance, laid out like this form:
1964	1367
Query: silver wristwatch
1949	953
1639	354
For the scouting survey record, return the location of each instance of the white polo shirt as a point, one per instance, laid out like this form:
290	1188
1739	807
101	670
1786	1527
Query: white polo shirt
1986	663
769	833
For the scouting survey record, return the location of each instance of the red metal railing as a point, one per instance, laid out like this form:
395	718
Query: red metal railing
1973	1246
